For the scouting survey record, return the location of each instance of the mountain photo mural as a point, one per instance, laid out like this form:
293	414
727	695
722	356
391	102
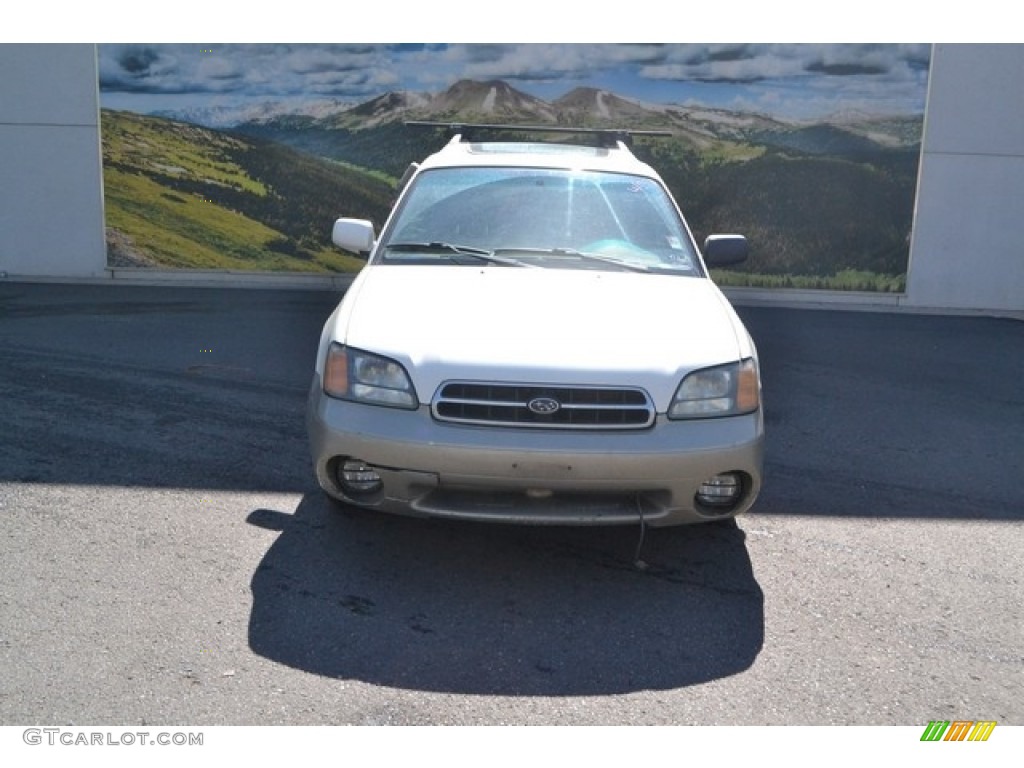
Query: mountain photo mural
241	156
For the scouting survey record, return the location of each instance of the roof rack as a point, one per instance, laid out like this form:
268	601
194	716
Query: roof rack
607	137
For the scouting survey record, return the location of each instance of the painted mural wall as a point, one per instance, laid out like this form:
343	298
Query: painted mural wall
242	156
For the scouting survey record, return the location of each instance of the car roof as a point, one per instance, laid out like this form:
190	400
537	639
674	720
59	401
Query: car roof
537	154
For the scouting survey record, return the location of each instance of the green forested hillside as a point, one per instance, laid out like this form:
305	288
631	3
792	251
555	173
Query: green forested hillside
389	147
184	196
835	222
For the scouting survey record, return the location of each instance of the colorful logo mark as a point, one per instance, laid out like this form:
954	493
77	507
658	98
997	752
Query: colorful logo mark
958	730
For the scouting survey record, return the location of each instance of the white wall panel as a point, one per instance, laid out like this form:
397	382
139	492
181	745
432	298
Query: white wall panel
976	100
51	199
967	250
48	84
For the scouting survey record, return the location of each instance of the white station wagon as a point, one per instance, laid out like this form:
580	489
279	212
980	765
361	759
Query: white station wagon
535	339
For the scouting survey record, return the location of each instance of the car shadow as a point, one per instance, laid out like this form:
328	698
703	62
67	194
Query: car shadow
488	609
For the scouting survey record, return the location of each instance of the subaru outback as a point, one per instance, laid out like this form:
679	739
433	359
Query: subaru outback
535	338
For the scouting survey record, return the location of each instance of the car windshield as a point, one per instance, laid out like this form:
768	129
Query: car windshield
539	218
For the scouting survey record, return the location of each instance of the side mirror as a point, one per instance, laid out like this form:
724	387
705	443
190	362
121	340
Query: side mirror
725	250
354	235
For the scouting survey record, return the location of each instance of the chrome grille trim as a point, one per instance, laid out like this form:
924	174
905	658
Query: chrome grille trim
506	405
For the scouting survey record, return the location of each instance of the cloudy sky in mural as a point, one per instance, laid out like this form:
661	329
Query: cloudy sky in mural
789	81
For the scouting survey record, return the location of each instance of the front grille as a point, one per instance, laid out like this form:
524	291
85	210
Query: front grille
509	405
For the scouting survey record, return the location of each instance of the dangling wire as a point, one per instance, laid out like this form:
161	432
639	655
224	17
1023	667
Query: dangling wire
638	563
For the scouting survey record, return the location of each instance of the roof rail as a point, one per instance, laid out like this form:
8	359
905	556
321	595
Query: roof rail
607	137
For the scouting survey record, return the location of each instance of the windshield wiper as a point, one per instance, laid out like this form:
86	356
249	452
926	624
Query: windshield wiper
574	254
480	254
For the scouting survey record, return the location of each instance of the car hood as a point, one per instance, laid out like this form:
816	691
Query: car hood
553	326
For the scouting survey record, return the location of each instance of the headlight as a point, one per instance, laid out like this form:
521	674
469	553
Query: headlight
726	390
351	374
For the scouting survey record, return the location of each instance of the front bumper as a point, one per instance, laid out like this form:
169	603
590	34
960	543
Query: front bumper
520	475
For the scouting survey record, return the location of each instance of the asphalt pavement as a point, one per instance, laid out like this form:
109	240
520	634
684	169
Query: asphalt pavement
168	559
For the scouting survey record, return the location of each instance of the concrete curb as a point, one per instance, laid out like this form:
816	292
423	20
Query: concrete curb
791	298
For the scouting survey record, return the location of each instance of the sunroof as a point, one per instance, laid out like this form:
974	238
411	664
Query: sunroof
538	148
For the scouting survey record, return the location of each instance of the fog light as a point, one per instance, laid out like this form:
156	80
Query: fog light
358	478
720	491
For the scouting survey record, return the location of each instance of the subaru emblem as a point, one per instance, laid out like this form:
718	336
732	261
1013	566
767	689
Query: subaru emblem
543	406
